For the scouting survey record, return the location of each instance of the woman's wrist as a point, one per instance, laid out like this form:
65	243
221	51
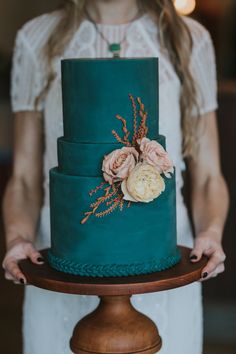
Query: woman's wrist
14	239
214	231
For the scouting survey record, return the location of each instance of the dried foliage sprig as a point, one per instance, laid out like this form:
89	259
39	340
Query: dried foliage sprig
96	204
109	192
114	205
134	119
125	130
93	191
122	204
143	129
125	139
109	202
138	131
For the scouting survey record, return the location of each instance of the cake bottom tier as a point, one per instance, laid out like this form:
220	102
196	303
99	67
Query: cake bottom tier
139	239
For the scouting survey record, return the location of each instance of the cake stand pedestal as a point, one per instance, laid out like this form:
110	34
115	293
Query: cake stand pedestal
115	326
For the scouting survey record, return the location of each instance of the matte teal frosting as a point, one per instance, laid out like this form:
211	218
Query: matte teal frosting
85	159
139	239
144	232
94	91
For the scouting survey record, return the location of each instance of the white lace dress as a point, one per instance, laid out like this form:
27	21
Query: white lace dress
50	317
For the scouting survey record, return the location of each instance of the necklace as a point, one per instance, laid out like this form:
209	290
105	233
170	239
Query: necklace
114	48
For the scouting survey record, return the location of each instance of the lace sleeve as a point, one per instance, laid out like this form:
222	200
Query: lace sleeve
203	68
26	77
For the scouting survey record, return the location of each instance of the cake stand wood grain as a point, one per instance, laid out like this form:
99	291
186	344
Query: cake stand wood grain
114	327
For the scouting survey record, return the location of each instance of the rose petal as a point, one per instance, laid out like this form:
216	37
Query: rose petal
124	189
119	163
107	178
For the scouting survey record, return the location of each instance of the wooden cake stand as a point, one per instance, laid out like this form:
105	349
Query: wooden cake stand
114	326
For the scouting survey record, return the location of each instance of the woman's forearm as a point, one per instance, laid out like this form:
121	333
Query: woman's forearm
21	208
23	196
210	203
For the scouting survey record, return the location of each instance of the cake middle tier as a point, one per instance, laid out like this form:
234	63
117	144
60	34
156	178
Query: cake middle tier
85	159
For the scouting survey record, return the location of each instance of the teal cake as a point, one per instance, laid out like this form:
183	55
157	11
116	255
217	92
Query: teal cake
112	195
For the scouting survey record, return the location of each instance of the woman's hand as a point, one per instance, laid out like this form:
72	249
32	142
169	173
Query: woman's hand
208	243
17	250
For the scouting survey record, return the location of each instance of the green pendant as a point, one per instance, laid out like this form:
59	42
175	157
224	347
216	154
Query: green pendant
115	49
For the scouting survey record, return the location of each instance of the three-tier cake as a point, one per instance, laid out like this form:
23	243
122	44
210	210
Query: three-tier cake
112	196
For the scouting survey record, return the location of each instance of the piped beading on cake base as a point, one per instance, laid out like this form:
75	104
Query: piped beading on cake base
112	270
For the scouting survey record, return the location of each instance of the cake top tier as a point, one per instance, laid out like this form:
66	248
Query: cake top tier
95	91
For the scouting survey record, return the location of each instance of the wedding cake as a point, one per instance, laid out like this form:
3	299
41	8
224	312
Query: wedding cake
112	196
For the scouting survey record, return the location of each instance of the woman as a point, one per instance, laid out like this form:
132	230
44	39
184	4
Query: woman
85	28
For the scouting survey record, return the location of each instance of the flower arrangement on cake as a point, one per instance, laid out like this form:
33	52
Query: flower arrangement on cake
133	173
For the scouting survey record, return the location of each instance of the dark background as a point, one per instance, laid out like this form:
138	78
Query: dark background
219	294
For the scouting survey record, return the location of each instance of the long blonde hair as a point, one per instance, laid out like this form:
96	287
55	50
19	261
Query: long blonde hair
174	36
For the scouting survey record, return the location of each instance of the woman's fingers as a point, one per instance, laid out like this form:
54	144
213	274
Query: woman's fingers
33	254
213	263
20	250
13	272
206	244
198	250
8	276
215	260
219	269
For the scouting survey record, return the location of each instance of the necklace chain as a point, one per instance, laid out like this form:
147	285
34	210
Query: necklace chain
114	47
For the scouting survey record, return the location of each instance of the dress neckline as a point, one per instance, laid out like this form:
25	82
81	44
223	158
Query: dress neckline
118	26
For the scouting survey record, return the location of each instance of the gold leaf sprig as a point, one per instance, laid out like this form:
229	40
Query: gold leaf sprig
122	202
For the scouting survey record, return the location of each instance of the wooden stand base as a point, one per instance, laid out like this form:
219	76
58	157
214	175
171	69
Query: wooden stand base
115	327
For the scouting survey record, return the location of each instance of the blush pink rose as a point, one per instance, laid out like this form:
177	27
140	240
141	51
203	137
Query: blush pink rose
119	163
154	154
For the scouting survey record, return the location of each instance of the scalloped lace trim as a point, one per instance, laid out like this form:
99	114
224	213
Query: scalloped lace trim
112	270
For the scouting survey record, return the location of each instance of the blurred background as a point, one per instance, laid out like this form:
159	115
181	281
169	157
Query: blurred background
219	17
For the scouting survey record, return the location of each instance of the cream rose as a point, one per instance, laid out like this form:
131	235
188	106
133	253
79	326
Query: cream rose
119	163
143	184
154	154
